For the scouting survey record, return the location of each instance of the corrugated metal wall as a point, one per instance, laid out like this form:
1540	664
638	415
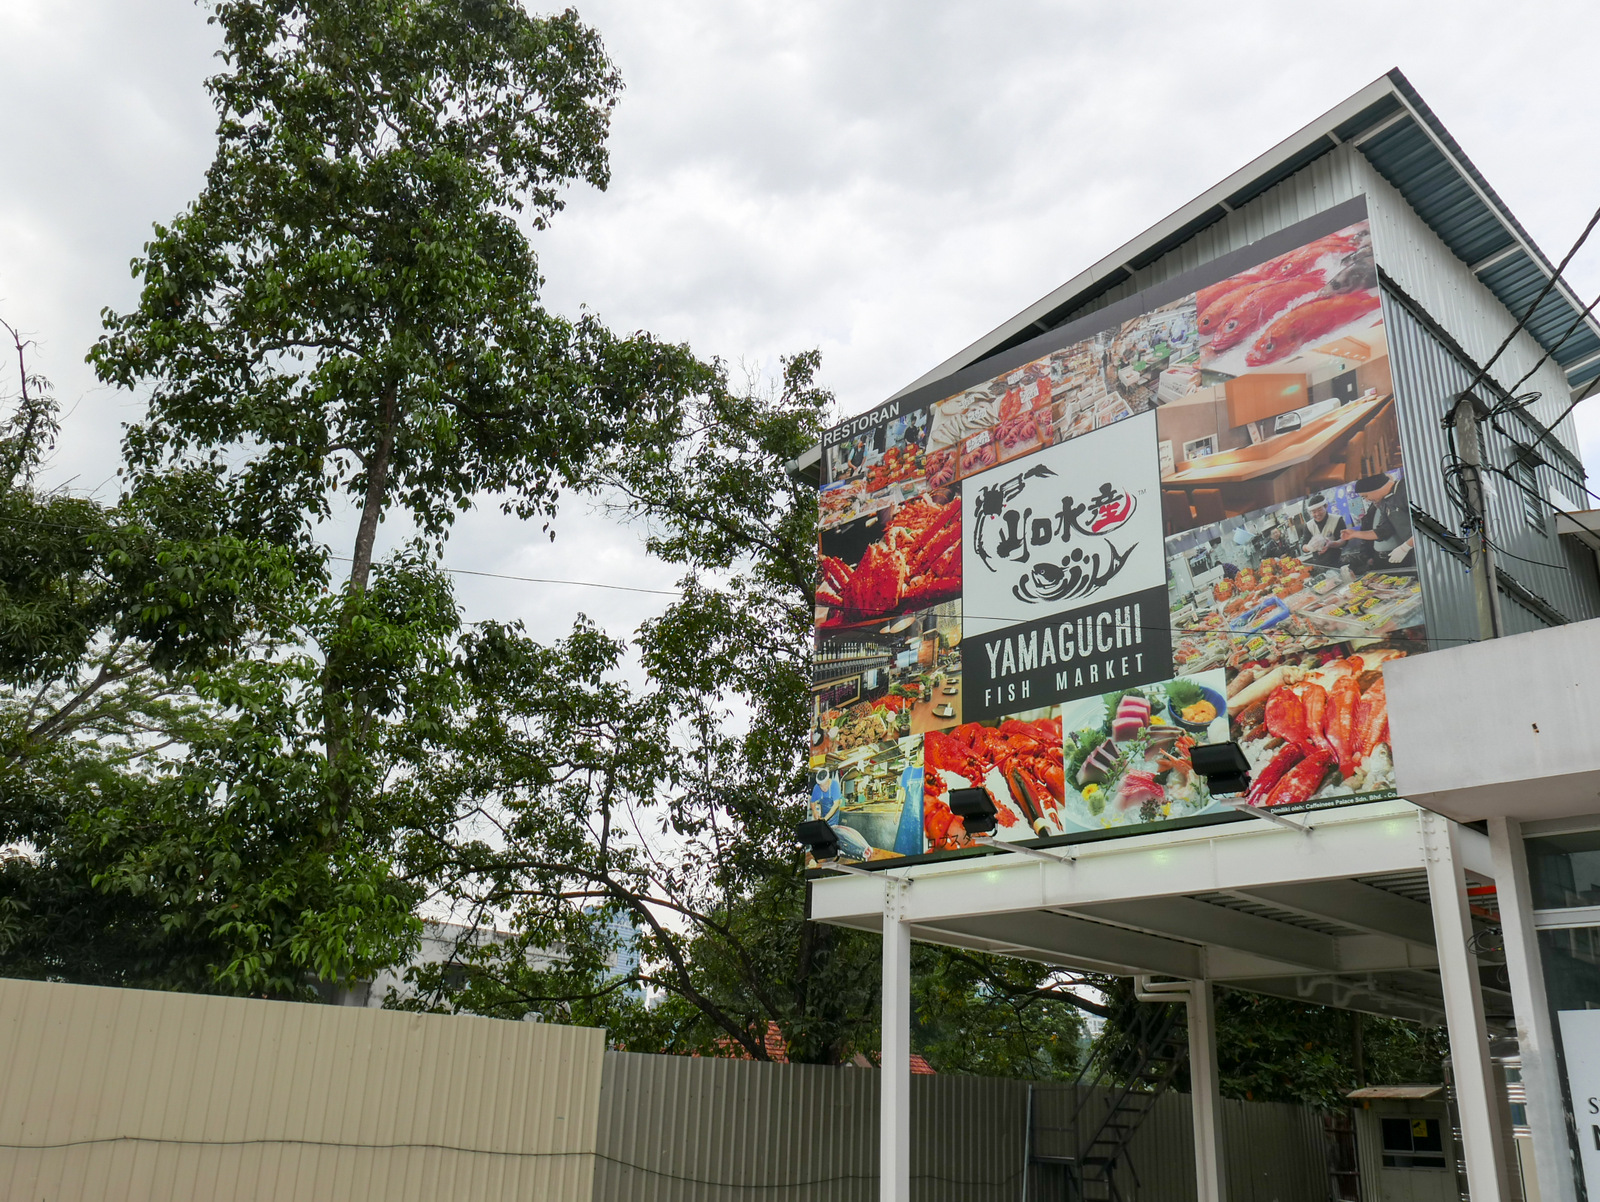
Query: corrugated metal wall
123	1094
675	1129
1428	377
1405	247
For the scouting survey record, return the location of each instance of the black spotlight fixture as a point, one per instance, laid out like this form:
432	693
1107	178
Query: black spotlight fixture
975	808
822	841
818	837
1223	765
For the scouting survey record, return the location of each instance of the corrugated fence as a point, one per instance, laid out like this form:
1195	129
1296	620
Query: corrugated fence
674	1129
131	1094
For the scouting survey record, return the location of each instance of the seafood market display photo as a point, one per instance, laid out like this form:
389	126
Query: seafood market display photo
872	797
1182	519
1290	601
1290	578
1317	729
1017	761
889	453
1127	752
884	681
1294	393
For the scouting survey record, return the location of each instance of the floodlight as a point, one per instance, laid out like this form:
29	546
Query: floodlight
975	808
978	814
819	838
1223	765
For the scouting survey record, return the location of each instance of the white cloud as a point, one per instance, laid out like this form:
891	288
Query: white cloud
884	181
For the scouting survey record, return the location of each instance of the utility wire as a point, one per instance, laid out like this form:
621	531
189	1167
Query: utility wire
626	588
1546	431
1537	301
1545	358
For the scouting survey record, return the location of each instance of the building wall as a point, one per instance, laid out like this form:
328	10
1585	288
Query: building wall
1557	572
124	1094
677	1129
1405	247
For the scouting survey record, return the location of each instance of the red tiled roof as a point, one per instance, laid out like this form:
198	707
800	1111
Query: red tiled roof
778	1052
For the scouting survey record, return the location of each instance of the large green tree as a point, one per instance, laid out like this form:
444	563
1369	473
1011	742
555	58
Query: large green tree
345	327
126	633
659	782
348	315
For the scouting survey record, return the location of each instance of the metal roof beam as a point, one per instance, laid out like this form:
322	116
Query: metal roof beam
1077	940
1569	368
1367	996
1187	918
1499	256
1352	904
1371	839
1367	135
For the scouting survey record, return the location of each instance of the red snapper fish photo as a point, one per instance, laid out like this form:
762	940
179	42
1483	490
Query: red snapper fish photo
1230	313
1307	322
1258	305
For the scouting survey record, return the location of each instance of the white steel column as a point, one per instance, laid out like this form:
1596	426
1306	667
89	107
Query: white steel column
894	1100
1476	1079
1205	1095
1535	1039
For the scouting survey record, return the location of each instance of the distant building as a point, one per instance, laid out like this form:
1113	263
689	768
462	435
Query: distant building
442	943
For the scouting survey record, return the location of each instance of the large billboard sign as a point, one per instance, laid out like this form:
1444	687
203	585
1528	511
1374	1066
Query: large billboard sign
1183	520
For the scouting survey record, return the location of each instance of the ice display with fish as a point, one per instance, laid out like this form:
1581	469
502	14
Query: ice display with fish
1261	472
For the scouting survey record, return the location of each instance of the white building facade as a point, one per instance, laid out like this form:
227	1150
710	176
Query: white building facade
1386	903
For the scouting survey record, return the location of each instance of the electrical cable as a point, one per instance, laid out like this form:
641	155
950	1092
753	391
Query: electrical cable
1178	630
1545	358
1550	429
505	1154
1522	321
627	588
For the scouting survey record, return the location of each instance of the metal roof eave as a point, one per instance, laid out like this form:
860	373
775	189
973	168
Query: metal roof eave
1467	213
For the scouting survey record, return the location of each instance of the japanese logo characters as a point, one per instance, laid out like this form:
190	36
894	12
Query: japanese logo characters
1064	547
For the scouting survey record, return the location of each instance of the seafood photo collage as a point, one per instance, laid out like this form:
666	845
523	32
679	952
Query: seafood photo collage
1188	527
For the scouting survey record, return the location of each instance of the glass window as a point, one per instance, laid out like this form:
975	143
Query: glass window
1564	870
1528	491
1571	958
1412	1143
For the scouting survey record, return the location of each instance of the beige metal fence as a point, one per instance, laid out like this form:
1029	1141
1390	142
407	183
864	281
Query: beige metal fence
675	1129
129	1094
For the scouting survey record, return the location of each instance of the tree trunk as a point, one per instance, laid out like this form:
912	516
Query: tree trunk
340	711
377	490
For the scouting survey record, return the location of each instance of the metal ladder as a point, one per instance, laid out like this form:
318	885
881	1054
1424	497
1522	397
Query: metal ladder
1113	1096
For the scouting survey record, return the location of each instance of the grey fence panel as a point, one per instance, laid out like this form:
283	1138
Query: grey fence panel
1273	1152
679	1129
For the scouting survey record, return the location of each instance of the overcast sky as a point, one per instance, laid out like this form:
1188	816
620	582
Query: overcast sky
883	181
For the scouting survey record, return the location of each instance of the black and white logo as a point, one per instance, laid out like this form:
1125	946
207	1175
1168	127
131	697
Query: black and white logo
1071	524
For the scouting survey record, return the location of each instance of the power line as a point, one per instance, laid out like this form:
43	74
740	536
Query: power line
626	588
1537	301
1545	358
1546	431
